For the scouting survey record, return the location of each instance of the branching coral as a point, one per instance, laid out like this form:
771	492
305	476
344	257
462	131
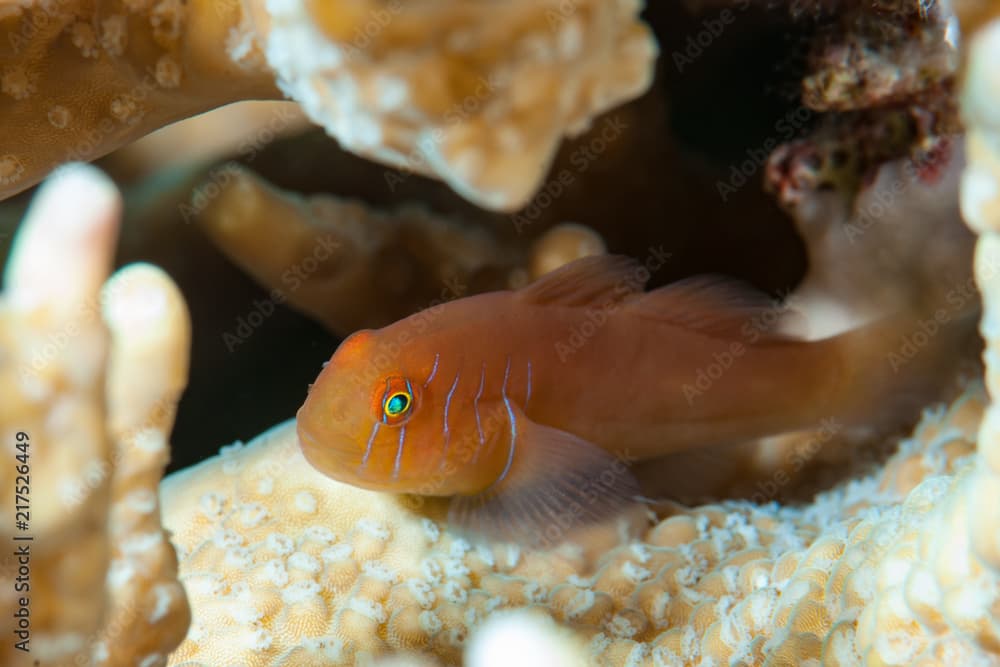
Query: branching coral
81	78
350	266
479	96
91	378
329	256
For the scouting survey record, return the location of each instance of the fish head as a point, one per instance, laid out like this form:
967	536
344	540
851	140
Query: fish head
354	422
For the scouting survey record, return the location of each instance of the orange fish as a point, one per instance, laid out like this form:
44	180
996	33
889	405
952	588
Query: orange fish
526	406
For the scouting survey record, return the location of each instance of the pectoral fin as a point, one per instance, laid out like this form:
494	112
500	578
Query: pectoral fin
556	482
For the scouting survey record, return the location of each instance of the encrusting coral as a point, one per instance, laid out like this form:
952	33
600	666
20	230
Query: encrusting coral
479	96
876	182
888	69
90	378
285	566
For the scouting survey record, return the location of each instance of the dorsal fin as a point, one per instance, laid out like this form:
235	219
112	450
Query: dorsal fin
589	280
718	306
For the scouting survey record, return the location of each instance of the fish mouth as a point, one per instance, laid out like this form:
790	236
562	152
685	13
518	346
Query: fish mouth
304	437
307	444
330	461
312	448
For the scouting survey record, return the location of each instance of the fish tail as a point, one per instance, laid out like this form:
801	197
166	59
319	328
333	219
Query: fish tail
896	366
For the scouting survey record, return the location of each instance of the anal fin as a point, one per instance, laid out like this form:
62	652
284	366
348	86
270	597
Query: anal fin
556	482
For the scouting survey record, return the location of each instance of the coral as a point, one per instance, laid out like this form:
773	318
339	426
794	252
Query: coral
902	237
483	110
329	256
82	78
257	529
479	96
897	565
241	129
873	185
883	54
90	380
350	266
888	69
561	245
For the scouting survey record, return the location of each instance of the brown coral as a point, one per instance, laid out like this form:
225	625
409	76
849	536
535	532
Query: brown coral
81	78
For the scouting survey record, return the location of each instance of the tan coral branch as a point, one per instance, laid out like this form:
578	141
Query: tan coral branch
351	266
150	335
103	587
82	78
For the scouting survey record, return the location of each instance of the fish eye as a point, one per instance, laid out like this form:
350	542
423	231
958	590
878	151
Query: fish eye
395	404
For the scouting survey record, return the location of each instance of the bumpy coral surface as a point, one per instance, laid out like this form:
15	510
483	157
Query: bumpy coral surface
285	566
478	95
